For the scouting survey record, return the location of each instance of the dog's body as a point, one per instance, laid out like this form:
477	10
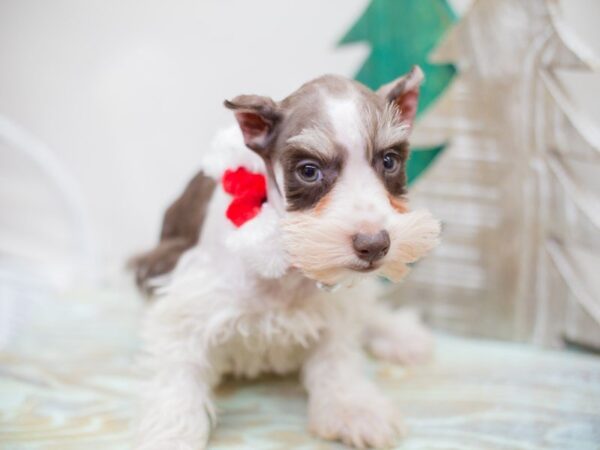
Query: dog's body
257	297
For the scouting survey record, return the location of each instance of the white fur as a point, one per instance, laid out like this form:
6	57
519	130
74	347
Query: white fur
227	151
237	304
347	123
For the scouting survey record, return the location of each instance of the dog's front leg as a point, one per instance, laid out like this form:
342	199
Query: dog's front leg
343	404
177	410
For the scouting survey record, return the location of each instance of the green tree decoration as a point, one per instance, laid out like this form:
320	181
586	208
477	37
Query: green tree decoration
402	33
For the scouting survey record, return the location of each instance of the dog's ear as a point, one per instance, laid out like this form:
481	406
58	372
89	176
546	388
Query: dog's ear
404	92
258	118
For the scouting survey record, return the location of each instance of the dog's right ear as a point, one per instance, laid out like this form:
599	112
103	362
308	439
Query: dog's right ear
258	118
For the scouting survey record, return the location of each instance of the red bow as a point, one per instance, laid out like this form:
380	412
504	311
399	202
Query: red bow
249	191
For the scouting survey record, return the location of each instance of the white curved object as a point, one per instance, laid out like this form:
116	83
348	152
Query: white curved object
42	156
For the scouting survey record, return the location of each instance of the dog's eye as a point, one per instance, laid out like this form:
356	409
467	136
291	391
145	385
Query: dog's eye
309	172
390	162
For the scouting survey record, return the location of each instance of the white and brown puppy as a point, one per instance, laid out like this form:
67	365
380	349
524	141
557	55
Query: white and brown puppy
259	297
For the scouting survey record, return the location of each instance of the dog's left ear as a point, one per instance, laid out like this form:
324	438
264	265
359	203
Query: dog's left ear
258	118
404	92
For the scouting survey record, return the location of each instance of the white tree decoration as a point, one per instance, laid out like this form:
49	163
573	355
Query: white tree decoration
519	188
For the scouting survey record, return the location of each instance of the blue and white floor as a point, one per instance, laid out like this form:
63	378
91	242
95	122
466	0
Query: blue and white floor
67	381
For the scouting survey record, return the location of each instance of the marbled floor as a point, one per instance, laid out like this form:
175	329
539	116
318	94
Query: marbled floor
67	381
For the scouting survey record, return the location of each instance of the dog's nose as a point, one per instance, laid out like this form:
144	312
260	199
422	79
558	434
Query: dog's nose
371	247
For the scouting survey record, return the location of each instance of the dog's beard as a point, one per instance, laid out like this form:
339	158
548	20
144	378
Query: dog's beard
321	247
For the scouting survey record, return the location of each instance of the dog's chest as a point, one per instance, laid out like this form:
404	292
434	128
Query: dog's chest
244	358
274	335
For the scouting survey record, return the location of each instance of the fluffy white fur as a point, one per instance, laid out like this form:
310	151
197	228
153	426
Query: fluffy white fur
321	244
237	304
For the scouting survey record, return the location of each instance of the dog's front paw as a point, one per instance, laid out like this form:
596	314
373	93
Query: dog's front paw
407	346
404	339
172	425
362	422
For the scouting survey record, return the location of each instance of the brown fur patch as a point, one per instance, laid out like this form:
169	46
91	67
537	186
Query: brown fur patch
158	261
181	227
398	203
394	182
301	195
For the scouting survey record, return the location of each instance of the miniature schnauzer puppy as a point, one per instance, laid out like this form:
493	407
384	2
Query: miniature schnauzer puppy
270	262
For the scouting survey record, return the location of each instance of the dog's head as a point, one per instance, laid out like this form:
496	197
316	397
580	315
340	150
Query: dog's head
336	153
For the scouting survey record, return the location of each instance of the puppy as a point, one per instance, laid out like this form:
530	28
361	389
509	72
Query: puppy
297	209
